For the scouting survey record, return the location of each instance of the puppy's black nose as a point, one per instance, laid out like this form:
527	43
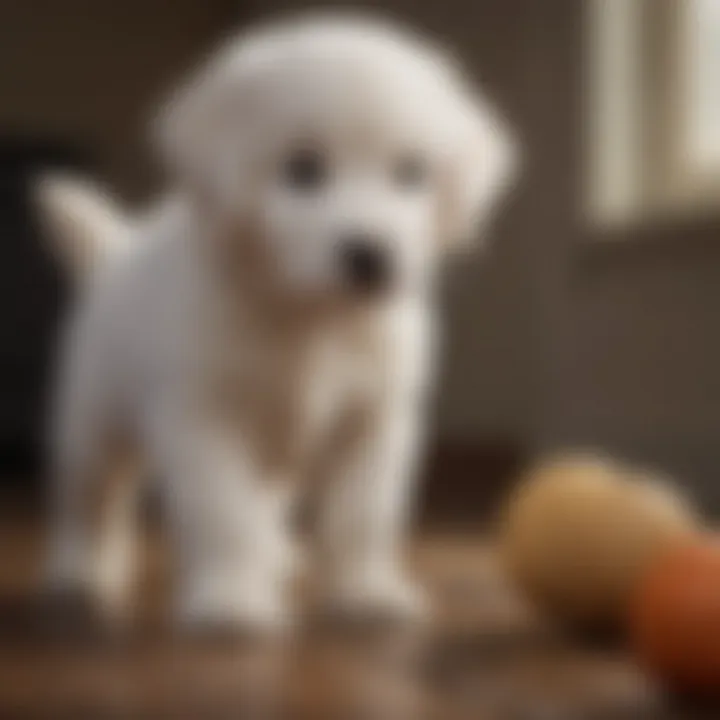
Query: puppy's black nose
365	263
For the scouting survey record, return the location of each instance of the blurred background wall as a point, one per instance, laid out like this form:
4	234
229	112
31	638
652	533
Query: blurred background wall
555	335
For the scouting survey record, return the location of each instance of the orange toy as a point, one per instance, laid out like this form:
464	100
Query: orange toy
675	617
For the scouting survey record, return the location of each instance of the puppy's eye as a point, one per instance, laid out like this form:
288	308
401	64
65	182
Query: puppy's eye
410	172
305	169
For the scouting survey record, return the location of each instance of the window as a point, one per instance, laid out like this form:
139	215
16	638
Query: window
702	80
653	110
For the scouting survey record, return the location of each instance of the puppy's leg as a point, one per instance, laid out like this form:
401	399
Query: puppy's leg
93	523
365	514
228	530
115	561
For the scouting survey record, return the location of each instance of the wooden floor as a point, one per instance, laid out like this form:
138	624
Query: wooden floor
485	658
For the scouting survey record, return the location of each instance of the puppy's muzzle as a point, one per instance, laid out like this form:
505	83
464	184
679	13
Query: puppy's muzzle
365	264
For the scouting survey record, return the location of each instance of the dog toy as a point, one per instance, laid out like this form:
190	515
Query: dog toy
578	532
675	617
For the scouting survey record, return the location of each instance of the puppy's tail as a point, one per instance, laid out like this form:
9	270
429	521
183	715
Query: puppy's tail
84	225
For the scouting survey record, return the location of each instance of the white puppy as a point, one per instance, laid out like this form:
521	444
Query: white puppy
269	320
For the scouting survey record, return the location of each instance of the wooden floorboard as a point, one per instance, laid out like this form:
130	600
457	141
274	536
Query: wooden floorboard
486	656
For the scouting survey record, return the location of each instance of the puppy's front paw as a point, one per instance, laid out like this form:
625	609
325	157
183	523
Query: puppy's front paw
377	598
229	608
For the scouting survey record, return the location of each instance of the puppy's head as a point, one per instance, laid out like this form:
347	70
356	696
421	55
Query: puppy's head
348	153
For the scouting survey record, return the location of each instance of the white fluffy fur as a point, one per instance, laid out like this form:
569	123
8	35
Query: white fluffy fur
221	346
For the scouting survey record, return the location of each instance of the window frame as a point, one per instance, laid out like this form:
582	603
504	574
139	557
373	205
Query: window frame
638	121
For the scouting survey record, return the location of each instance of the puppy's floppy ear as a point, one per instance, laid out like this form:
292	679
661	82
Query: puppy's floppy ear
484	168
183	129
194	131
